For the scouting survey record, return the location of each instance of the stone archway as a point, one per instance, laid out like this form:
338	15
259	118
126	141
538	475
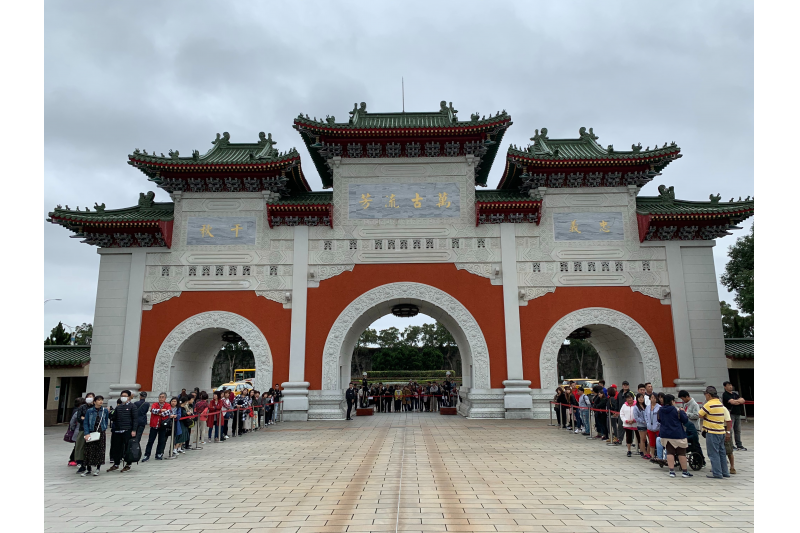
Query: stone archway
212	320
548	356
452	314
377	302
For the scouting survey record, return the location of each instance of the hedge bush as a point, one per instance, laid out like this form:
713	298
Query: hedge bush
416	375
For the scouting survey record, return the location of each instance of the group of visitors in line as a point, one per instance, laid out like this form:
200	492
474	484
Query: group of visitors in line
222	413
397	398
662	430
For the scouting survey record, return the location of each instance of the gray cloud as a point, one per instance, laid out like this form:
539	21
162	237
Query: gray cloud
163	76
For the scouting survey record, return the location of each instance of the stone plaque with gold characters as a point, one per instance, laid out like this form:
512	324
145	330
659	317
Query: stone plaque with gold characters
588	226
220	230
404	200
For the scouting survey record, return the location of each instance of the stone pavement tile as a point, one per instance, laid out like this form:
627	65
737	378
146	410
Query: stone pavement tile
156	529
274	529
470	527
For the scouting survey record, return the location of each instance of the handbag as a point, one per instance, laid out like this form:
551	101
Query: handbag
95	435
69	436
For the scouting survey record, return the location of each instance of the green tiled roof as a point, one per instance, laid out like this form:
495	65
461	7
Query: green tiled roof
67	355
586	147
156	211
223	152
743	348
664	205
444	118
309	198
501	195
443	123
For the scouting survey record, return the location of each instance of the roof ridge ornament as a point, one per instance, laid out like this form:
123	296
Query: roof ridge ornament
196	155
100	208
146	200
174	154
714	199
636	148
666	194
222	141
356	112
587	135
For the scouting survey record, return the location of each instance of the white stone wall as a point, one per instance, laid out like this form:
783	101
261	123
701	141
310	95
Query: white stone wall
109	321
705	318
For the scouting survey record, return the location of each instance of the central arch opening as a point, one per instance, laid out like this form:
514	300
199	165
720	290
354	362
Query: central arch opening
405	355
337	357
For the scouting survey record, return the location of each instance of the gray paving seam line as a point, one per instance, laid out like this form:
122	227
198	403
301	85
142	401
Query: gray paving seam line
400	489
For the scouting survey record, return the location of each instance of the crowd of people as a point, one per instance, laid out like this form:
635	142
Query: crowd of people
212	418
661	429
399	398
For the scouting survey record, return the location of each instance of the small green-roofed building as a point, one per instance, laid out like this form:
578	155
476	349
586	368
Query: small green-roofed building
66	370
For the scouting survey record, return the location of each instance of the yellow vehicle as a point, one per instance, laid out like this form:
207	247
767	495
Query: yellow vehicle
244	374
236	386
583	383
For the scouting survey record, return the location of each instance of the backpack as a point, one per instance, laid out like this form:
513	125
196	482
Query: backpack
133	451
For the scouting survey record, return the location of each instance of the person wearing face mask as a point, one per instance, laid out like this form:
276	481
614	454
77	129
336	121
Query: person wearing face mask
80	442
124	429
96	420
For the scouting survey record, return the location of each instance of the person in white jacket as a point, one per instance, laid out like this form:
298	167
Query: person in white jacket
628	418
585	403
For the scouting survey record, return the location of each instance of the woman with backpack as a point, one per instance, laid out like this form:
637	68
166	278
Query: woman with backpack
95	424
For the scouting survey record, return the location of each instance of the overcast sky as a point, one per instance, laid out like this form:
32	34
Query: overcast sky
161	76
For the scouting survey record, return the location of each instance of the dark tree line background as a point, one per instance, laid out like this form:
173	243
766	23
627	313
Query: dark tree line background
739	278
579	359
425	347
232	356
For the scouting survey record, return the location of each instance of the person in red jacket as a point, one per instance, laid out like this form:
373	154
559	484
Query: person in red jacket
158	412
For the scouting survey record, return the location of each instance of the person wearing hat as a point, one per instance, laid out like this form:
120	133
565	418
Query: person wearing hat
713	415
142	406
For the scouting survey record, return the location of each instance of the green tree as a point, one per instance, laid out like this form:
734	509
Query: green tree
361	352
578	358
739	272
83	334
58	336
232	356
734	325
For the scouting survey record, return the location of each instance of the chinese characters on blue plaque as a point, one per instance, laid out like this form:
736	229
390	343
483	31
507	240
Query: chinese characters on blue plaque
588	226
220	230
404	200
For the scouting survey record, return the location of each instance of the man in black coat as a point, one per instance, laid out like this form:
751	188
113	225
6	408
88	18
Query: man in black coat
125	421
350	396
142	406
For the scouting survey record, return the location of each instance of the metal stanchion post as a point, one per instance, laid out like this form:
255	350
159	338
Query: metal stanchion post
608	426
551	414
589	410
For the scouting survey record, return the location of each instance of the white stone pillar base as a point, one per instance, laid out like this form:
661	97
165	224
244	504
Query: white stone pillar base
326	405
695	387
517	399
116	388
541	404
485	403
295	401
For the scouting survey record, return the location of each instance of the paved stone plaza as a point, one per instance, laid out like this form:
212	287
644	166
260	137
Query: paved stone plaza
412	473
